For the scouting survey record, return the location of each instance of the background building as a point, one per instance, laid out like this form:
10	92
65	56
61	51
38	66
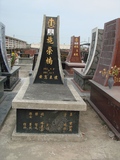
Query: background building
14	43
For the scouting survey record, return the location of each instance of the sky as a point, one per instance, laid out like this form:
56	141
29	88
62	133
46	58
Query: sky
23	19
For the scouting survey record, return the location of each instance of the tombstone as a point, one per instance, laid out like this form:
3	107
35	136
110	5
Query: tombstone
73	59
82	77
11	74
25	55
106	101
47	104
25	58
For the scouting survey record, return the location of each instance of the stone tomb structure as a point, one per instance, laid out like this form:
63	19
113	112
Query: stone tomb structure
106	101
25	62
2	80
47	106
11	74
73	59
25	59
82	77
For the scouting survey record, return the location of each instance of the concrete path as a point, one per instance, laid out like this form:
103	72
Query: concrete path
97	143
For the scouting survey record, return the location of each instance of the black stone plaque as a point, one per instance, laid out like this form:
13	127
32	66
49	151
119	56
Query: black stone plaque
47	121
49	68
3	56
24	55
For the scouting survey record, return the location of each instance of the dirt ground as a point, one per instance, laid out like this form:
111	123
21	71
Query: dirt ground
97	142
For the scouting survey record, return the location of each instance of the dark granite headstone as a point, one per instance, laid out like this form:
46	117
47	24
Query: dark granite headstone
3	54
48	68
12	75
43	121
24	55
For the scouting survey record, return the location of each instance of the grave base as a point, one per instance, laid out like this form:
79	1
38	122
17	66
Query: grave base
69	67
26	60
12	78
48	112
106	103
25	70
47	137
81	80
2	80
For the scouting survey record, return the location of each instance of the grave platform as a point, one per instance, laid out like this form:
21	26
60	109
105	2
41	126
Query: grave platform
12	78
106	102
25	60
70	65
48	112
82	80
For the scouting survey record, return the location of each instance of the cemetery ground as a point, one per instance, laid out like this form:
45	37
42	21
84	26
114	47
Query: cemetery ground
97	141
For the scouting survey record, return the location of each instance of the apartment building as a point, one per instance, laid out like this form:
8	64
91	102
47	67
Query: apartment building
14	43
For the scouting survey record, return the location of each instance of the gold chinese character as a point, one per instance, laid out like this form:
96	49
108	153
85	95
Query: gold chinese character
47	127
65	125
65	114
24	126
75	46
76	39
76	50
41	128
40	76
36	113
71	114
49	61
41	123
70	128
30	125
42	114
45	76
55	77
45	69
51	23
75	54
50	77
45	72
64	128
50	40
36	126
30	114
70	123
49	50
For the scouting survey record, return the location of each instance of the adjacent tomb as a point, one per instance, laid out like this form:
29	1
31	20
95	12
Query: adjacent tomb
106	101
82	77
25	61
73	59
11	74
2	80
47	103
